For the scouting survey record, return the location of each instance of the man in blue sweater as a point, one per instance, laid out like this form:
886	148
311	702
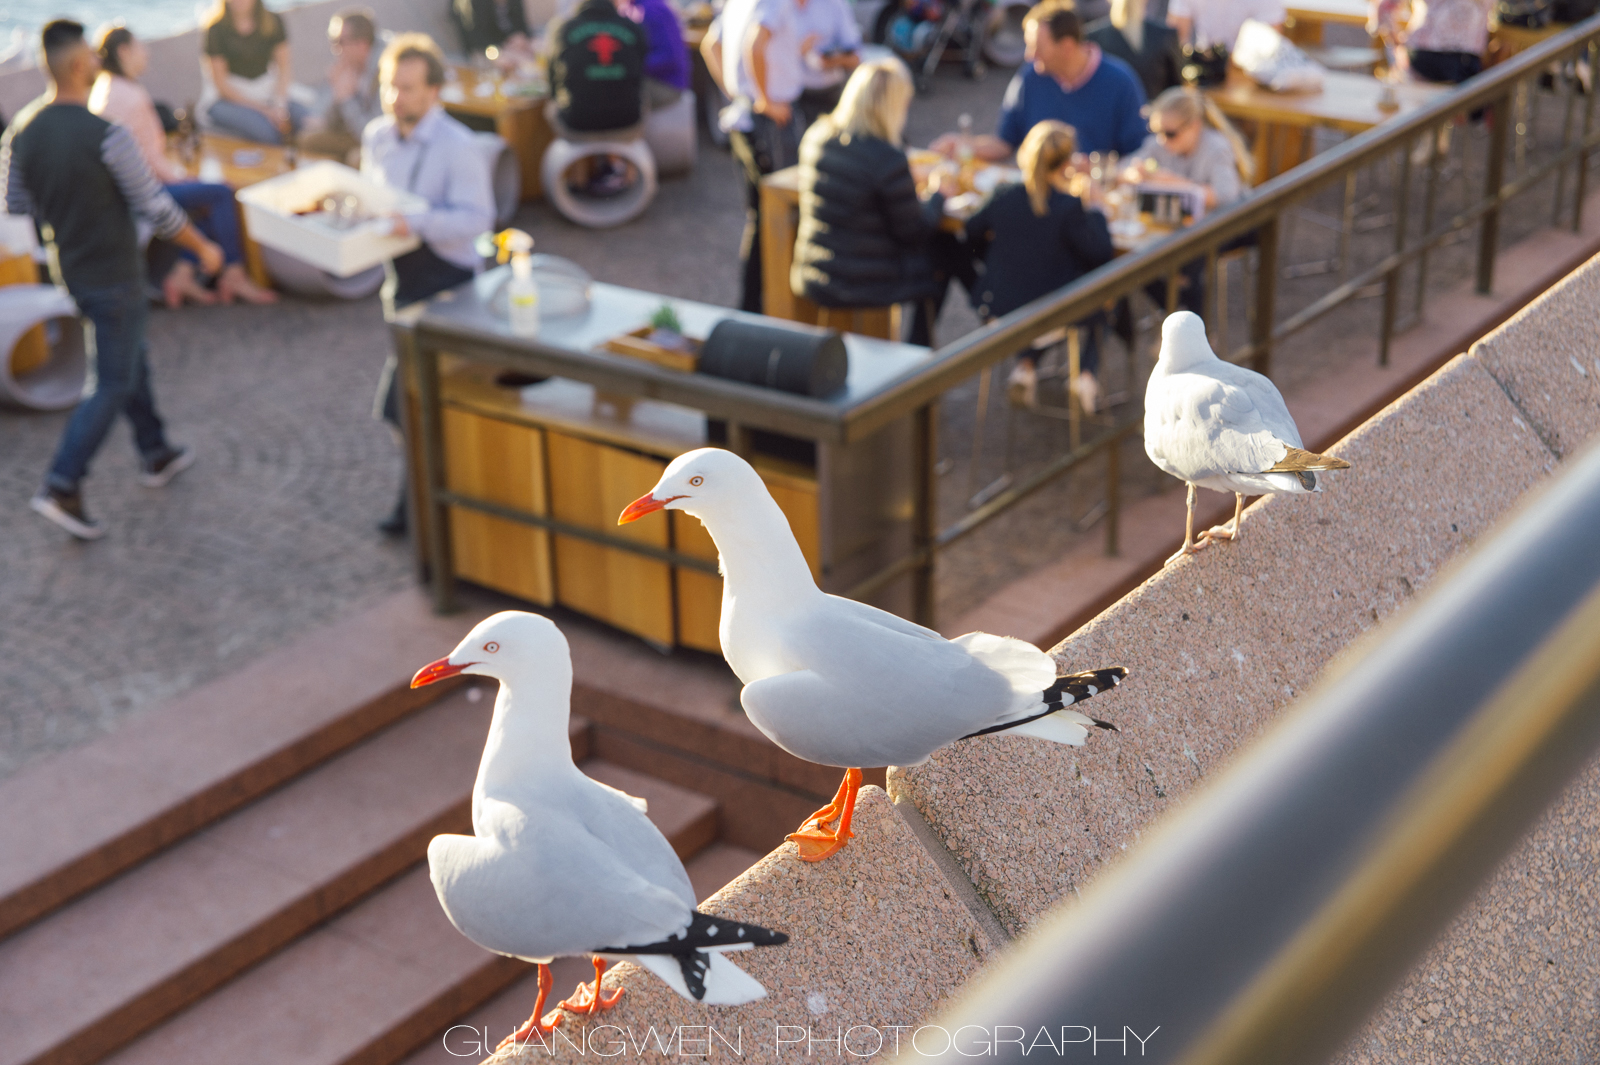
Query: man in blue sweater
1068	79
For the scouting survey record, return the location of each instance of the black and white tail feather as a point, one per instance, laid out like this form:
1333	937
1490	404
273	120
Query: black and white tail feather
691	962
1043	704
1067	691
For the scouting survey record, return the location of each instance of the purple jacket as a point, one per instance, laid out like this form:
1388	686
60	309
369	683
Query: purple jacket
667	58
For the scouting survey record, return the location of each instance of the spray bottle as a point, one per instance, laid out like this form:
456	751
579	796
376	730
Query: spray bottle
522	292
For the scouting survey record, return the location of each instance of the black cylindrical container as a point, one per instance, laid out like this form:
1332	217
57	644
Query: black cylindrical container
791	357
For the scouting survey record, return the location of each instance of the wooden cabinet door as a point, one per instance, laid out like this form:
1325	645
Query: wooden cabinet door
498	462
590	484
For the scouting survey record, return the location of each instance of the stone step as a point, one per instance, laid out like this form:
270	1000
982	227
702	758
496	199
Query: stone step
82	817
138	948
388	975
459	1039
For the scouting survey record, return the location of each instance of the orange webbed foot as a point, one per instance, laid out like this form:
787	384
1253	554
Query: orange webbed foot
592	998
535	1023
813	839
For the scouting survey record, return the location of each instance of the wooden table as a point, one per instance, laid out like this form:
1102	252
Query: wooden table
1507	41
780	219
518	118
1347	102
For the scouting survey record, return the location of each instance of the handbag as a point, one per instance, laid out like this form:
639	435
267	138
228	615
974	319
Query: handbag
1528	14
1204	67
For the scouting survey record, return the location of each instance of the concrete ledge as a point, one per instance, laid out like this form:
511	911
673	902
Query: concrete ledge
1220	642
878	939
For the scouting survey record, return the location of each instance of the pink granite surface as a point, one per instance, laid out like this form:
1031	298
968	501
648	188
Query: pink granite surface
878	939
1219	643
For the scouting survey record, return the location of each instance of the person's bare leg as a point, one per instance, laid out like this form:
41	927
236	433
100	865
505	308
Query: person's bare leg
236	284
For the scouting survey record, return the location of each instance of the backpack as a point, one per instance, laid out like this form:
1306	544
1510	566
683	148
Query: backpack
597	69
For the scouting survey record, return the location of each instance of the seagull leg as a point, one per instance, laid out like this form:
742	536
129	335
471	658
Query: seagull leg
592	1000
533	1023
1190	544
813	838
1231	530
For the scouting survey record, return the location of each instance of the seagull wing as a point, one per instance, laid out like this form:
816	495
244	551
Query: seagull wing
1227	420
872	692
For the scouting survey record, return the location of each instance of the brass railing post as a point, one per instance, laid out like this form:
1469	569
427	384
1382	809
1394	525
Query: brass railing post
1501	116
1391	281
1266	297
925	518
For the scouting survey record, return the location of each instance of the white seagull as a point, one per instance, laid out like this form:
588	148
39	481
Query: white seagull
1215	425
842	683
560	864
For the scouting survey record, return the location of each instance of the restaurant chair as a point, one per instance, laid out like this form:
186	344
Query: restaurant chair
506	174
571	149
42	371
670	132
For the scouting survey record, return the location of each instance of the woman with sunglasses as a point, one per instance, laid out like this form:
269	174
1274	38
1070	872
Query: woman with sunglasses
1192	141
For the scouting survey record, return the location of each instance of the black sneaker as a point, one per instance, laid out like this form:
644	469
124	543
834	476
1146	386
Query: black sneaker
159	471
66	510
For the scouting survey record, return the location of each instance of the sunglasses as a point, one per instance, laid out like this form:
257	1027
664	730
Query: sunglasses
1168	134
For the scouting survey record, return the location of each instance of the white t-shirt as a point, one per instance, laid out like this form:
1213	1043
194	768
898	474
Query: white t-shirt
1218	21
835	27
740	20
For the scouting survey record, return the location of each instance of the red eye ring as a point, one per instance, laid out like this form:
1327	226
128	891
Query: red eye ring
491	647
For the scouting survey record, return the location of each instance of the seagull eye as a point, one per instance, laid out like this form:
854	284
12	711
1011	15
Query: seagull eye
697	481
491	647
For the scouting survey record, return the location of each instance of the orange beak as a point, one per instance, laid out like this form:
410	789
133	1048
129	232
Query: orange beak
645	504
437	671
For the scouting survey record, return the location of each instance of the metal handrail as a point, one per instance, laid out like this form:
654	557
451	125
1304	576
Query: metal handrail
1264	920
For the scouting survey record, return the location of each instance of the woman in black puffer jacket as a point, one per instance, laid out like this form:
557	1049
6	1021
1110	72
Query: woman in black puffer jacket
863	236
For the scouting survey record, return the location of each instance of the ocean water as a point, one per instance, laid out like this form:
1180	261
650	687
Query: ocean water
20	19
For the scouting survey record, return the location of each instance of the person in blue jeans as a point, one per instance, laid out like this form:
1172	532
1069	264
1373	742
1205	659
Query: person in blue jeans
83	179
118	97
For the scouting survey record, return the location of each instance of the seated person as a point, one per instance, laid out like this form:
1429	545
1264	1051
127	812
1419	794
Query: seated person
246	64
596	59
1216	23
666	59
1034	238
1443	41
1066	79
864	233
1192	142
118	97
1150	47
350	100
498	24
830	40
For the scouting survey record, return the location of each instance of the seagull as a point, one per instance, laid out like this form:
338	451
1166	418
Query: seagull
1215	425
841	683
559	864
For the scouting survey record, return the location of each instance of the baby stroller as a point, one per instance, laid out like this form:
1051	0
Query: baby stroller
921	30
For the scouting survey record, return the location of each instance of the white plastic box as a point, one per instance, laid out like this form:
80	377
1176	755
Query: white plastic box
270	215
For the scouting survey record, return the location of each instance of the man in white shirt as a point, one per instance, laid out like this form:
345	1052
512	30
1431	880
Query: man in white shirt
1204	23
754	50
830	38
415	146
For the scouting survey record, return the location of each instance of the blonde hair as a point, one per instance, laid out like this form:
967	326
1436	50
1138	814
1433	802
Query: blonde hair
1045	150
1186	106
1128	17
874	101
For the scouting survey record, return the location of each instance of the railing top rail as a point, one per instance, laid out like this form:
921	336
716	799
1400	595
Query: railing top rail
1268	917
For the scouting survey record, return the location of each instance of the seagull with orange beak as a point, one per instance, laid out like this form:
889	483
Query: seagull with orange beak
559	864
842	683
